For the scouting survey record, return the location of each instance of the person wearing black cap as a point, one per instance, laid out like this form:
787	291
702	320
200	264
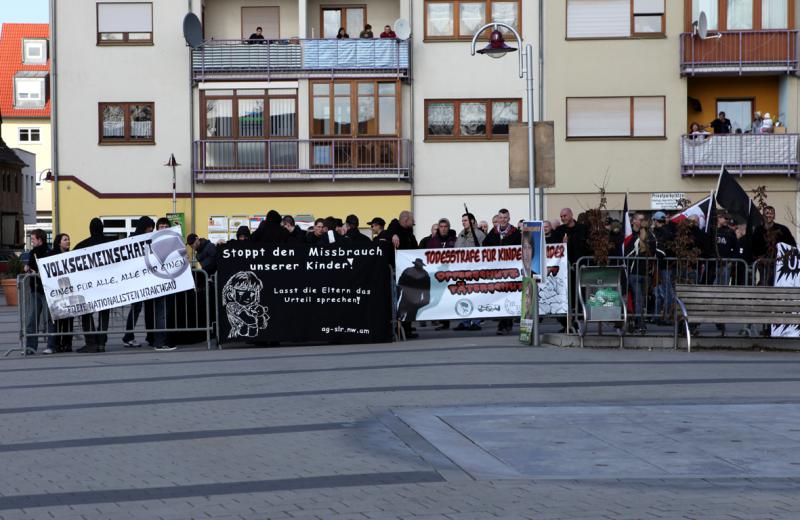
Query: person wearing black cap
204	252
95	342
378	232
356	236
144	225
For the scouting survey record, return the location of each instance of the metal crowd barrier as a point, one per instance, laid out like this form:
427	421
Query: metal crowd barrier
187	317
651	282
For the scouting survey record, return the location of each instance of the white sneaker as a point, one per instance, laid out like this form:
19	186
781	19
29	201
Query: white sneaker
165	348
47	351
131	344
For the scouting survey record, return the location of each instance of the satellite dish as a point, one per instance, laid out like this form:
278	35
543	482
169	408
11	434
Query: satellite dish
192	30
402	28
702	25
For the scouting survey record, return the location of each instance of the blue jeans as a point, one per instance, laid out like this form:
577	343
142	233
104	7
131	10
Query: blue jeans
38	312
664	293
636	283
160	309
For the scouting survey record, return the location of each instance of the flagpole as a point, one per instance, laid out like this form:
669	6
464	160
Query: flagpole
719	178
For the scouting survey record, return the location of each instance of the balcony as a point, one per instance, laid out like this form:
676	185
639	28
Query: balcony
740	52
300	58
302	160
742	154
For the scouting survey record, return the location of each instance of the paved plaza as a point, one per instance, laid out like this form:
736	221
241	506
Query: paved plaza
451	429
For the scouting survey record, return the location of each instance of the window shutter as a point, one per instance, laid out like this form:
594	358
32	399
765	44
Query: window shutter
648	117
598	18
598	117
116	18
648	6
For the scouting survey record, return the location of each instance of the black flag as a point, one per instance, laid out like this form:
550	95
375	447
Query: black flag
735	200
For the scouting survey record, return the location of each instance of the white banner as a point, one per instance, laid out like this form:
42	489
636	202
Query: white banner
475	282
116	273
554	287
787	274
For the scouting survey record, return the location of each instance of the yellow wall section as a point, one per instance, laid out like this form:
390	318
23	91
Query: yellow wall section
78	207
764	91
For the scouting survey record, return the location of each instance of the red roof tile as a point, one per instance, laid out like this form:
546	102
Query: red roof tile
11	63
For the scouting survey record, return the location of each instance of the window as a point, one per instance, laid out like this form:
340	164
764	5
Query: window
355	108
249	114
30	135
588	19
120	227
620	117
127	123
34	52
29	92
470	119
129	23
459	19
351	17
744	15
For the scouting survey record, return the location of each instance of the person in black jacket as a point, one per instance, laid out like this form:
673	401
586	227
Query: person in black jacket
94	342
296	235
38	312
379	233
270	230
204	252
402	231
144	225
356	236
503	234
639	250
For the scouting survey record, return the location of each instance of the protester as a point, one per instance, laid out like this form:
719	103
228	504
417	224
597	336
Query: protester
503	234
38	312
316	232
94	342
721	124
444	236
243	233
423	243
342	34
576	237
637	250
379	234
256	37
160	339
270	230
664	234
466	238
402	231
388	32
547	229
330	231
296	235
64	326
484	226
352	231
367	32
204	252
765	240
144	225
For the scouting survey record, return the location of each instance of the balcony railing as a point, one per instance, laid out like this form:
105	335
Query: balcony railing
294	159
300	58
740	52
773	154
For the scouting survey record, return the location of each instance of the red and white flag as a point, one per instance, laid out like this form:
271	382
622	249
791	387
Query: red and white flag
628	240
702	210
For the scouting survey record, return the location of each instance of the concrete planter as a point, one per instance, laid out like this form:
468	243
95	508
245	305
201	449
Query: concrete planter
10	291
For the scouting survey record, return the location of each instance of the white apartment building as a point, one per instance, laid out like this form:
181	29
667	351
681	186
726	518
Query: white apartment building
301	122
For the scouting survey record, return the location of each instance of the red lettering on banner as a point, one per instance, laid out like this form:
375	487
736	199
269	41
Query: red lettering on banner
555	251
510	254
477	274
461	288
453	256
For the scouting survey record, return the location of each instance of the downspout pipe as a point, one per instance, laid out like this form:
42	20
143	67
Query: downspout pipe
56	215
193	224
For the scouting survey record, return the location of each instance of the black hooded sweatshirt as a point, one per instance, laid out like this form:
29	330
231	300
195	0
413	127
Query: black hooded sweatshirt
270	230
96	236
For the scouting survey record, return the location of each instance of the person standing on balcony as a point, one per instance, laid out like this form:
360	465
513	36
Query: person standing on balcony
342	34
367	32
767	126
758	122
721	125
257	37
388	32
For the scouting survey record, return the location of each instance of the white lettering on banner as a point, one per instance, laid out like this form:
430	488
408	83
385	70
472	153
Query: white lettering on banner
313	251
116	273
787	274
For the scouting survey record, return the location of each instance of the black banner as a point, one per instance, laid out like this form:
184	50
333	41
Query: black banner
338	293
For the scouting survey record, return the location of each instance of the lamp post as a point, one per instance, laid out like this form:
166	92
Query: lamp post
497	48
173	163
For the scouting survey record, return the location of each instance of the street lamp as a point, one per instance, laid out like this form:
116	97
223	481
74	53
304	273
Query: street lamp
173	164
497	48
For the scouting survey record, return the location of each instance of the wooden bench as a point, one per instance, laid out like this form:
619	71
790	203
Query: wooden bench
734	304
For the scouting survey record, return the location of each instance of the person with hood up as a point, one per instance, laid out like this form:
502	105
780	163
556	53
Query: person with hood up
144	225
270	230
95	342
